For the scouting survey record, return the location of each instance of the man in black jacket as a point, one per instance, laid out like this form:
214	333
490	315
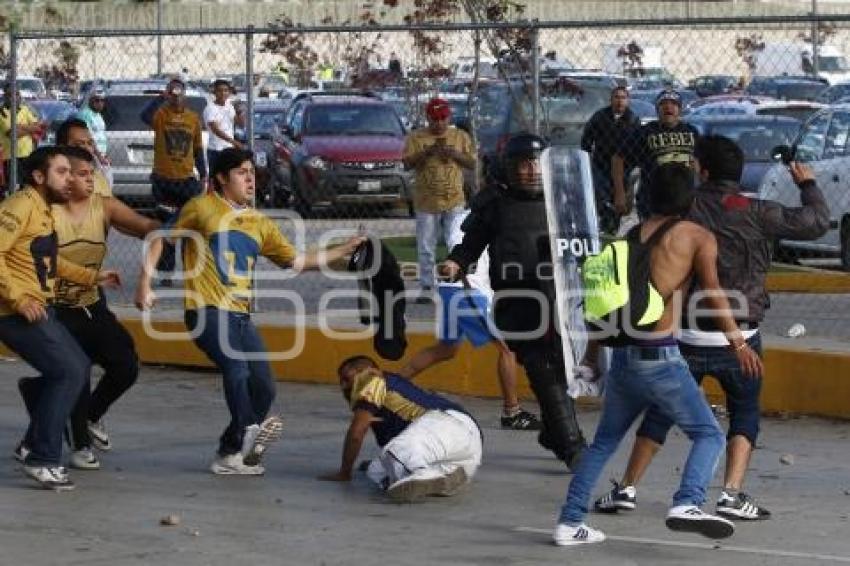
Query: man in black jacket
510	218
601	138
744	228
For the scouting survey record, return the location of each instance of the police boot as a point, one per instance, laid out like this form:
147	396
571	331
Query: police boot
561	433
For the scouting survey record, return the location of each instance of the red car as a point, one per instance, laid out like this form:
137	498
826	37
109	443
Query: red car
344	150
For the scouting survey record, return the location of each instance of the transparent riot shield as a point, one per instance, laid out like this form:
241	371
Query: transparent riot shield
573	235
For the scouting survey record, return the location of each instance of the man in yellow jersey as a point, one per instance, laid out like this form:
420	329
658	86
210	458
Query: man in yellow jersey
74	132
178	153
429	445
29	128
218	301
28	325
82	225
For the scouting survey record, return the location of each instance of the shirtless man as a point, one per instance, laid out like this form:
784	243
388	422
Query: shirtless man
652	371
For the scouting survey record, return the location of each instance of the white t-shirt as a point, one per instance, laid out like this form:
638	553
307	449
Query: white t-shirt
223	116
480	279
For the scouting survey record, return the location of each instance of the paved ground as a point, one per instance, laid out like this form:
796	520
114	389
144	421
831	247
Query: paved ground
165	431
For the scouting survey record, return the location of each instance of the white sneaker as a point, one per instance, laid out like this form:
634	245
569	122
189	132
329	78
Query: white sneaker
99	437
692	519
84	459
248	439
565	535
55	478
416	487
270	431
234	465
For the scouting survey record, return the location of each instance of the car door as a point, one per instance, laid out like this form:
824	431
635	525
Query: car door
809	148
834	174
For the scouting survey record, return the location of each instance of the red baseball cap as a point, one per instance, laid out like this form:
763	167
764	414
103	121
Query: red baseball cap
438	109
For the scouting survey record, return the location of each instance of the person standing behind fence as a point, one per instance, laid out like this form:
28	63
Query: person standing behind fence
438	154
220	118
92	115
29	129
602	136
178	153
661	142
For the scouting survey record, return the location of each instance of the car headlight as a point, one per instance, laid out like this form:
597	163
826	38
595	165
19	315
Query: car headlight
261	159
316	162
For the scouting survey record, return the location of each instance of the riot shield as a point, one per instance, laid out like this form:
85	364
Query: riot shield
573	235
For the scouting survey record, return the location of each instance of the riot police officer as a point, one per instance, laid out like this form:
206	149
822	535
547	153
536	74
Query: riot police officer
509	216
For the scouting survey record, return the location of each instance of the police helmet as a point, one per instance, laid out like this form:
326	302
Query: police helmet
522	147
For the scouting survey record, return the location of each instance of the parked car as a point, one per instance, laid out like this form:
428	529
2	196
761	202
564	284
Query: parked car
131	140
344	150
756	135
823	144
834	93
710	85
787	88
738	105
272	180
53	112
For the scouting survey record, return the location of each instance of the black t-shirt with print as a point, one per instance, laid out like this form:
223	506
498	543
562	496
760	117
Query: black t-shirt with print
654	144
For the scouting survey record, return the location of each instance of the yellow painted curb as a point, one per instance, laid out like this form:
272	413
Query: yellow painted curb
797	381
808	282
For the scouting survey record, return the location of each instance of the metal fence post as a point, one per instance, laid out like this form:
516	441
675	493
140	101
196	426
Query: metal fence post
535	79
159	38
249	82
815	26
13	110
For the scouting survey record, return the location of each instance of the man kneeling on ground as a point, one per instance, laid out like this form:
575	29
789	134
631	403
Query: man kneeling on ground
429	445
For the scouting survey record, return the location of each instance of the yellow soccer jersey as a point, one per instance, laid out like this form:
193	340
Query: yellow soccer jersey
221	274
28	253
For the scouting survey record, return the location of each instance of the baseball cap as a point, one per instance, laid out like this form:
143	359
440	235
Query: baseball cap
438	109
668	94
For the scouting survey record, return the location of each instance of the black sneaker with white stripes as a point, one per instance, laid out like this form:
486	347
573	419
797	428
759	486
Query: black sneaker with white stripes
741	507
521	420
620	497
692	519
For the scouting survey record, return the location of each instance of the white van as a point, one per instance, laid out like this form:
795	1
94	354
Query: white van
796	59
464	68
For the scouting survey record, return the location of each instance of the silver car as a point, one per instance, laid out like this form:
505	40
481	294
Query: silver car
824	144
131	140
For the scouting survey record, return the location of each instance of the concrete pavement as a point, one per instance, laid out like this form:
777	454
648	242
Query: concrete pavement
165	432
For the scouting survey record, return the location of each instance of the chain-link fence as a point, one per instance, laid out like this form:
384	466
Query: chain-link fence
336	161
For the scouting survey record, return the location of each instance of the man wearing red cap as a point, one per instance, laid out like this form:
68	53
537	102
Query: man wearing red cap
438	154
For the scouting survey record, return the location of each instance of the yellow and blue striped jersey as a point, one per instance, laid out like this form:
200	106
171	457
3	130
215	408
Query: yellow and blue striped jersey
394	401
221	273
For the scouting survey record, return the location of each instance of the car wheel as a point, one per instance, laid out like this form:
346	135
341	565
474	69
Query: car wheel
845	244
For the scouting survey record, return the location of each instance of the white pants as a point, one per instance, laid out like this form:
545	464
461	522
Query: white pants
435	444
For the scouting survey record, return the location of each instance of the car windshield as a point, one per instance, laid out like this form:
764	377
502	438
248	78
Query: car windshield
832	64
265	122
52	112
797	112
757	140
352	120
123	113
31	85
799	91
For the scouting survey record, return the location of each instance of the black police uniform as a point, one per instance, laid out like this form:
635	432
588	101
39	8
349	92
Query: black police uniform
512	222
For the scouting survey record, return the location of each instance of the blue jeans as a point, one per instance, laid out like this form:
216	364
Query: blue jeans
428	226
249	387
742	392
633	384
52	351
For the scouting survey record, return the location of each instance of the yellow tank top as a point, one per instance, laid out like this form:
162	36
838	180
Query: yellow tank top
83	243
